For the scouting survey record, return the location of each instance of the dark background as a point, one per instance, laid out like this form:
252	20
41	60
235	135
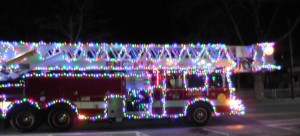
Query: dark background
152	21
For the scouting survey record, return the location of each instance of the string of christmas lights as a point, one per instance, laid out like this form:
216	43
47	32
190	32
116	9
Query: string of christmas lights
8	85
150	115
2	99
5	110
267	50
72	52
62	100
102	52
95	44
131	52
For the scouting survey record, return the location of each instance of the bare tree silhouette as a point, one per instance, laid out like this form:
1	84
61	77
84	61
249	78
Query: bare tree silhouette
72	21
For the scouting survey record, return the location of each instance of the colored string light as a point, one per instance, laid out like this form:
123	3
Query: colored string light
2	99
8	85
133	53
265	47
5	110
62	100
95	52
236	106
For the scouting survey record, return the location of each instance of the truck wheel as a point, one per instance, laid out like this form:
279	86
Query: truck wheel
199	115
60	119
25	120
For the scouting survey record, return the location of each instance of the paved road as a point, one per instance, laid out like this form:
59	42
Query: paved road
274	119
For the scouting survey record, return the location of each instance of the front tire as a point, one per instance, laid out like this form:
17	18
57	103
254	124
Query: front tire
25	120
199	115
61	119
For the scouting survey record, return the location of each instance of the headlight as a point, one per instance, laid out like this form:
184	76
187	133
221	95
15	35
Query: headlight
269	50
234	104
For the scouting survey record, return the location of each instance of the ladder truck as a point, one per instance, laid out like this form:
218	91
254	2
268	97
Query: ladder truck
62	83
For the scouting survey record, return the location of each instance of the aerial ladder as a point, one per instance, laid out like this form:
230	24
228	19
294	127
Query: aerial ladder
17	58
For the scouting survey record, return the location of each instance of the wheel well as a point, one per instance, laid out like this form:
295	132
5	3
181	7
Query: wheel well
201	103
61	106
17	107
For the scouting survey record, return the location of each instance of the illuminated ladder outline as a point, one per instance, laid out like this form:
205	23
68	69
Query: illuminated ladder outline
118	52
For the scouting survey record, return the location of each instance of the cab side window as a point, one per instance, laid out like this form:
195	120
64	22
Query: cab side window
174	81
215	80
195	81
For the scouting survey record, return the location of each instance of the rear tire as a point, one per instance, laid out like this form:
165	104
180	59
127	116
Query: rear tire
25	119
61	119
199	114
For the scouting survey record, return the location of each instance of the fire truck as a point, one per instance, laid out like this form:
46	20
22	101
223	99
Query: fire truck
62	83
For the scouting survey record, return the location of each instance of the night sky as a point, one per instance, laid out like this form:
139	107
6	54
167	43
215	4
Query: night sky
151	21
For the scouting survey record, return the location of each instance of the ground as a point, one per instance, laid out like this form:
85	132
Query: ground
269	118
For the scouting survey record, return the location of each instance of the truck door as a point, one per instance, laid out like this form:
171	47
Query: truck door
219	92
138	94
158	92
175	88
